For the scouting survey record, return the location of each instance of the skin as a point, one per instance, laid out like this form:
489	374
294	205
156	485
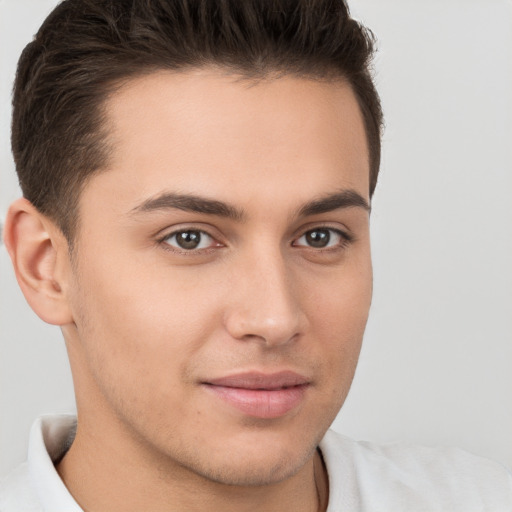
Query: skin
147	323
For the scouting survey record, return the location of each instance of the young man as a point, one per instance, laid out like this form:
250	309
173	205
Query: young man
197	179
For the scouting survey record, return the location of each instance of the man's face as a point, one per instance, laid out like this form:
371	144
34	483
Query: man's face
223	277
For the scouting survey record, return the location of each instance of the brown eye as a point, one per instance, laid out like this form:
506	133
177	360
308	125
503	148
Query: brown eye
318	238
322	238
189	240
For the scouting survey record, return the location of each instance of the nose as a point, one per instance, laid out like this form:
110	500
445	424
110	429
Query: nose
265	303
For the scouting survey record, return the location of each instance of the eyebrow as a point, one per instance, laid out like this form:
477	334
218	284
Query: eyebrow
190	203
198	204
345	199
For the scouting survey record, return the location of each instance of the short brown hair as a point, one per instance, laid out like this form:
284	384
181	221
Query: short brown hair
85	47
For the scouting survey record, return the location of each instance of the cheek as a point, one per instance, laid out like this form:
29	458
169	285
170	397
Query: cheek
142	302
141	332
339	312
340	306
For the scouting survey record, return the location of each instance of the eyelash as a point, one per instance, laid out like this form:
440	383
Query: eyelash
345	240
164	241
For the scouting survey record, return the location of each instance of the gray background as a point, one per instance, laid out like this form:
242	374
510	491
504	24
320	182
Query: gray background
436	364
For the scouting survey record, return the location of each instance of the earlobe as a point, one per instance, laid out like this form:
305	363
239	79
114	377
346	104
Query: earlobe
40	258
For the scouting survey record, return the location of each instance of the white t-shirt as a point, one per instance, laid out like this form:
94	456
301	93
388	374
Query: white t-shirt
363	477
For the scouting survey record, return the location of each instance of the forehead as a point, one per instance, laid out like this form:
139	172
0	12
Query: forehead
235	137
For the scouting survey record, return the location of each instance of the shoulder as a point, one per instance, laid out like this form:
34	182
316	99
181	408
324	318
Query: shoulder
17	493
404	476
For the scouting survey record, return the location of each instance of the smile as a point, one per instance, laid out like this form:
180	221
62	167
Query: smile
260	395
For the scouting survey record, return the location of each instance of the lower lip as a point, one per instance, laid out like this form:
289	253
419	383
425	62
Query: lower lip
261	403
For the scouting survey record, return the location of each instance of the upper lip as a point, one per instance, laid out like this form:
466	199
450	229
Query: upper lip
260	380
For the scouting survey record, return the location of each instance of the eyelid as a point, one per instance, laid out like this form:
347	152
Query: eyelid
168	233
345	235
332	226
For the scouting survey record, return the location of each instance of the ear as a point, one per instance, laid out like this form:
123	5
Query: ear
39	254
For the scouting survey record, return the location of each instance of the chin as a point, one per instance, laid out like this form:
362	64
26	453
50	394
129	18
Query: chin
253	464
246	472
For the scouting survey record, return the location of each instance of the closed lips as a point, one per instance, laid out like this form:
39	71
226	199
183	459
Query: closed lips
257	380
261	395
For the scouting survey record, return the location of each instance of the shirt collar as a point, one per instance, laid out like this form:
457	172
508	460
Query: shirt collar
50	438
